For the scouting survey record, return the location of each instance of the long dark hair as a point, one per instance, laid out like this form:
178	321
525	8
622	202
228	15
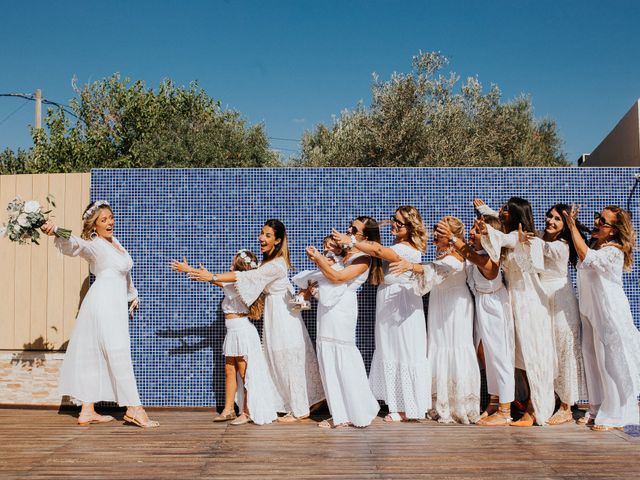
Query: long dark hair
565	234
371	230
281	249
519	213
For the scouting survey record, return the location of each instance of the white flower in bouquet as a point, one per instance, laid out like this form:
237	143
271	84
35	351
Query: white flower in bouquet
24	220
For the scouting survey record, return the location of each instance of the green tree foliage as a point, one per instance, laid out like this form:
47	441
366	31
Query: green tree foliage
121	124
419	120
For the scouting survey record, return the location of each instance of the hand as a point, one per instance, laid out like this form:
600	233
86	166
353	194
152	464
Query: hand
478	203
182	266
340	238
524	237
570	218
48	228
200	274
133	306
400	267
481	227
312	253
444	230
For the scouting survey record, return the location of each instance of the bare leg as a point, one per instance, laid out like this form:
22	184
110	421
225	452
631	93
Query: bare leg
88	415
242	370
230	384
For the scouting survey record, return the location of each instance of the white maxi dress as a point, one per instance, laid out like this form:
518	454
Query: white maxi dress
494	328
288	349
569	382
400	373
610	340
451	349
97	365
535	349
343	373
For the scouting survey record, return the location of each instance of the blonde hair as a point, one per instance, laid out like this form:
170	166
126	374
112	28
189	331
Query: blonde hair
89	223
240	264
625	239
417	230
456	226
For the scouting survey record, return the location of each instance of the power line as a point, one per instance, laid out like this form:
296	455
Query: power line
14	112
29	96
285	139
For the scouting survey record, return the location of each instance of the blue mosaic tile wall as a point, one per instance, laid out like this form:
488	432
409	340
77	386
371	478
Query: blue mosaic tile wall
208	214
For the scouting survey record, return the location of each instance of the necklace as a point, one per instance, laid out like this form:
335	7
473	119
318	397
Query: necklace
440	254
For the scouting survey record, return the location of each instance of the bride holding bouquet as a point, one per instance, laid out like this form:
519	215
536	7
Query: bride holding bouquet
97	365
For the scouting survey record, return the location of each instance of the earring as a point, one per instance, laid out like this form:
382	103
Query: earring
93	234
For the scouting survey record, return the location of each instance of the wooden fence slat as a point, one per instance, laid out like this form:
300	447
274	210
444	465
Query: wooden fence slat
72	266
39	254
7	268
22	333
55	269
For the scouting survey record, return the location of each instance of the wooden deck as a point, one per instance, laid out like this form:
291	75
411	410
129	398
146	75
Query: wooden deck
45	444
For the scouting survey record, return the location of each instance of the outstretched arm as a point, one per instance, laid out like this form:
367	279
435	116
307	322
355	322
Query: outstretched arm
200	274
358	267
368	247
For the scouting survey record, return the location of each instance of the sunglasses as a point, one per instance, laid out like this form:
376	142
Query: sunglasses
599	220
351	230
397	222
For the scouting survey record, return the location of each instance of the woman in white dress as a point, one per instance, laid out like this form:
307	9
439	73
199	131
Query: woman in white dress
288	348
494	322
247	377
451	350
610	340
522	261
399	372
559	251
97	365
343	373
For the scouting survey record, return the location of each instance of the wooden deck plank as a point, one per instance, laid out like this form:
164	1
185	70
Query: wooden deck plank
44	444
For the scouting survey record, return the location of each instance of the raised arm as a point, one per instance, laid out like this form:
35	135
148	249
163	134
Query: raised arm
358	267
578	242
368	247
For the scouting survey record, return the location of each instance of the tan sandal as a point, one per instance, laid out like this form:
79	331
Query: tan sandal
148	424
500	418
560	417
526	422
588	421
605	428
328	423
290	418
86	420
241	419
224	418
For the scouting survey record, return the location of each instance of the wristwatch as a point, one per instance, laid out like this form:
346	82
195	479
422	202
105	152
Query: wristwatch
214	278
453	240
351	244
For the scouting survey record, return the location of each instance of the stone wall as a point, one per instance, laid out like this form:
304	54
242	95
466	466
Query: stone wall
29	378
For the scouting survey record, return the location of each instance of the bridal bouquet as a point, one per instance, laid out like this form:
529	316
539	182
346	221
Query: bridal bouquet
25	218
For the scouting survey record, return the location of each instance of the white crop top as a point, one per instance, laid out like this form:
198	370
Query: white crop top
232	303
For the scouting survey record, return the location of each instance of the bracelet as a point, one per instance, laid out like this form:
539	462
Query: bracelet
453	240
214	278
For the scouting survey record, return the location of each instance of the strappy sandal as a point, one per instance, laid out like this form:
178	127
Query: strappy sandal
328	423
86	420
500	418
224	418
605	428
524	423
148	424
241	419
392	417
486	413
587	421
560	417
291	418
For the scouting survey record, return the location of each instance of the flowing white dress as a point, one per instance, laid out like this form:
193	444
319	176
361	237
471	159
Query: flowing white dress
494	328
242	340
535	352
611	342
288	348
400	373
451	351
343	373
97	365
569	379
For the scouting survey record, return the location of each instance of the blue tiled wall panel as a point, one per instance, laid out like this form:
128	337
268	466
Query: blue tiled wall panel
208	214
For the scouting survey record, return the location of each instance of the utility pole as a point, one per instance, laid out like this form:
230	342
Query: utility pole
38	108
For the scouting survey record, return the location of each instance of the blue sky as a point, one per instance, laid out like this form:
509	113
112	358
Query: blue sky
293	64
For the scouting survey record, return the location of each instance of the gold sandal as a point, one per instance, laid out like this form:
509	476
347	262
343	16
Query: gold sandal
97	419
224	418
560	417
148	424
500	418
241	420
605	428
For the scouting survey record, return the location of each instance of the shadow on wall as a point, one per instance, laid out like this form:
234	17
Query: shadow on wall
208	336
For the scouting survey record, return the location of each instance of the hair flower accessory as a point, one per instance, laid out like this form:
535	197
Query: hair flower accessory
246	258
94	208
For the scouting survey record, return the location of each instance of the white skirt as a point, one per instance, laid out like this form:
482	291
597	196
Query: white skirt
242	340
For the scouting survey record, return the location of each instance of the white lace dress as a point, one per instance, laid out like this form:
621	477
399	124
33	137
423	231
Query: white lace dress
451	350
242	340
343	373
535	349
97	365
400	373
494	328
569	380
288	348
611	342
